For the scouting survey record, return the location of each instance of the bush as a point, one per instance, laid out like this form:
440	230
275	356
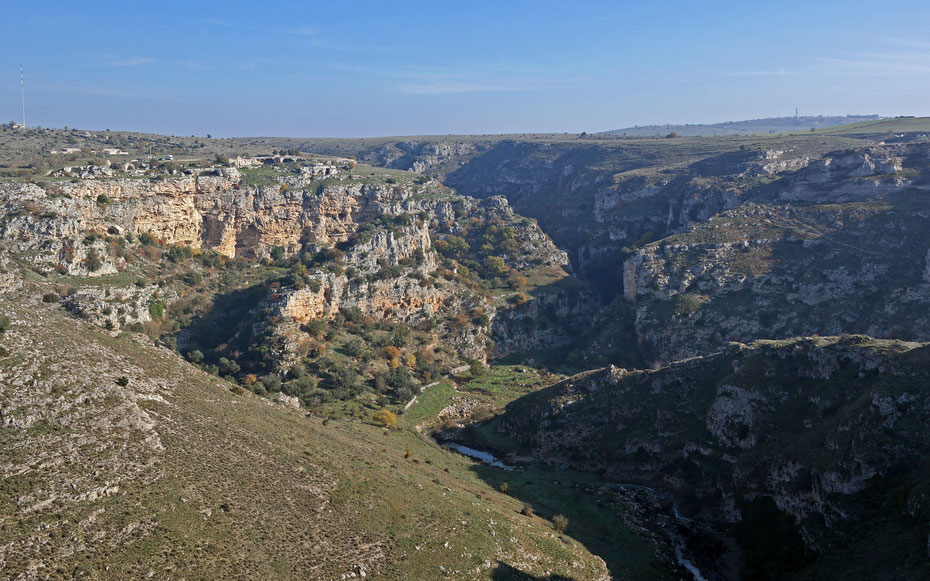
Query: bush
354	347
50	298
227	366
559	523
122	381
314	326
147	239
157	310
4	324
385	418
179	253
193	277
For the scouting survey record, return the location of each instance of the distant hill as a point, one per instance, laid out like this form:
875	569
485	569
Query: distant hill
767	125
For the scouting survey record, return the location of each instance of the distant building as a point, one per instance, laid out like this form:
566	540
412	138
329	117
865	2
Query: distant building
114	151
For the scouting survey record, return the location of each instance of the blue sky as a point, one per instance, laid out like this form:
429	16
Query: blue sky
405	67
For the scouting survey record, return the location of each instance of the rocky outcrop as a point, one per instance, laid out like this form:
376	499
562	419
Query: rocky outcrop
814	425
774	271
210	211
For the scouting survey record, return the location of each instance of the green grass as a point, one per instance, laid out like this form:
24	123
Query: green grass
504	383
430	403
880	126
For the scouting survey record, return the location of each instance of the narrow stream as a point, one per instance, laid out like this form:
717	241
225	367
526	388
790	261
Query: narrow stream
485	457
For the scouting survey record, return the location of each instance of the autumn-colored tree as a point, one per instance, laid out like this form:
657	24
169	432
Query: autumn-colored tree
385	418
516	281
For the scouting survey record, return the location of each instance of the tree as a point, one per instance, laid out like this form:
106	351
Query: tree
560	523
402	383
386	418
354	347
391	352
477	370
228	367
495	266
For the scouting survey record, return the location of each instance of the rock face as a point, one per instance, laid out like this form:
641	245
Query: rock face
821	428
210	211
780	271
386	229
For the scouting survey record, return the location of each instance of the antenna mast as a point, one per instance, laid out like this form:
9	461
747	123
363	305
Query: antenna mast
22	86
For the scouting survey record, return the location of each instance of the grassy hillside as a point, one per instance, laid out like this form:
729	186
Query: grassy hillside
748	127
881	126
120	460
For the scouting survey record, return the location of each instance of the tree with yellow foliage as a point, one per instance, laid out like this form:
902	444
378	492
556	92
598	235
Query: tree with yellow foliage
386	418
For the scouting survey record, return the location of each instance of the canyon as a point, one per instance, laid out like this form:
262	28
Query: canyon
714	349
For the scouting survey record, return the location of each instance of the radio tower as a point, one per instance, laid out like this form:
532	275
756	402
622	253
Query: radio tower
22	86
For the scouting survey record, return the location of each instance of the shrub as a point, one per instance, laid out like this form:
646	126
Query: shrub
122	381
559	523
227	366
195	356
527	510
504	487
385	418
4	323
354	347
518	298
157	310
50	298
147	239
269	383
314	326
179	253
193	277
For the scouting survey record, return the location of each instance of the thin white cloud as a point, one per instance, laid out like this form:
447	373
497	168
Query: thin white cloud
448	86
893	57
779	72
91	90
197	65
907	42
130	62
304	30
876	65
